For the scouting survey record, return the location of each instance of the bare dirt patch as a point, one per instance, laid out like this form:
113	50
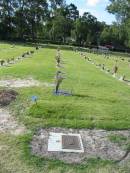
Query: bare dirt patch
8	124
19	83
7	96
96	145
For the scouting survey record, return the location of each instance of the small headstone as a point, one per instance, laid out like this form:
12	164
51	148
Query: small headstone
60	142
115	70
71	142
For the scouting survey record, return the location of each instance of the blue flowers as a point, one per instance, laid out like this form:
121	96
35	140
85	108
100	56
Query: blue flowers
34	98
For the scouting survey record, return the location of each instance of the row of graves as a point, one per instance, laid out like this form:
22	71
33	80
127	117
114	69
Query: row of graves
60	75
9	95
10	61
59	143
113	72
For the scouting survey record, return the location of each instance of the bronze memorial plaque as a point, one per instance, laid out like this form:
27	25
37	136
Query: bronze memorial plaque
71	142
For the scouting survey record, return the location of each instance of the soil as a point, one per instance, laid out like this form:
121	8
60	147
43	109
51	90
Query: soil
7	96
20	83
8	124
96	145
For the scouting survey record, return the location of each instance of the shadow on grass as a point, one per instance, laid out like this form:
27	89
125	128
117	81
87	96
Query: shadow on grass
96	98
82	96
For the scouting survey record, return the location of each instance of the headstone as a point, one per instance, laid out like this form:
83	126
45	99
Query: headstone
59	79
71	142
115	69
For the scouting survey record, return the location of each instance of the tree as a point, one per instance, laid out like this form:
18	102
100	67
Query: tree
53	20
36	13
72	12
121	8
7	9
87	29
113	35
54	4
60	28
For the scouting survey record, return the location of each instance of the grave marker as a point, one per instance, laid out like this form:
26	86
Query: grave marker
69	143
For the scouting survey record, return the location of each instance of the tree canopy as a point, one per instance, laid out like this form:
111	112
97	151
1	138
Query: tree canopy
56	21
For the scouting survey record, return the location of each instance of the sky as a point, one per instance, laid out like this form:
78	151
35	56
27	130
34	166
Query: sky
95	7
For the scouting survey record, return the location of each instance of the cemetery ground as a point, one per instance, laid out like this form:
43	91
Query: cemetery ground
98	101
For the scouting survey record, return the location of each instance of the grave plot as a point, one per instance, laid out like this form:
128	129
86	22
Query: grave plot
8	124
77	146
69	143
110	61
13	52
60	76
116	68
7	96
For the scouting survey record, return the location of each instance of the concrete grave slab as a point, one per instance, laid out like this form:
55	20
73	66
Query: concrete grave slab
65	143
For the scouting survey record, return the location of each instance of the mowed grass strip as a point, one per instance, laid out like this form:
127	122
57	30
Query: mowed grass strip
8	51
122	62
4	46
98	101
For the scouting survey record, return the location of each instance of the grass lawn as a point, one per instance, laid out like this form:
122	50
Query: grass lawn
123	65
8	51
99	101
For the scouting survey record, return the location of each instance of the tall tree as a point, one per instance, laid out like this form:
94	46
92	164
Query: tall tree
72	12
32	14
86	29
7	10
121	8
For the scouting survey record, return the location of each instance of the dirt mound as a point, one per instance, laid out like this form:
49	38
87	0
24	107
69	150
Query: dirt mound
7	96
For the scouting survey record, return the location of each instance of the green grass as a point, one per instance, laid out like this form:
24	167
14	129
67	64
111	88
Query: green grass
8	51
123	66
98	101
